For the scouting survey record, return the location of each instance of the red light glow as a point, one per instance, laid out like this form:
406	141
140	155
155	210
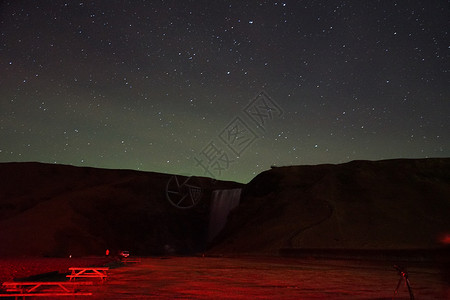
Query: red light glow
445	239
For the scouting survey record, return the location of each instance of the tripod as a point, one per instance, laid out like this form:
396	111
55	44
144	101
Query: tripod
403	276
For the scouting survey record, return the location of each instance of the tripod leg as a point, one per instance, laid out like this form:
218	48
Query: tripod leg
398	285
411	294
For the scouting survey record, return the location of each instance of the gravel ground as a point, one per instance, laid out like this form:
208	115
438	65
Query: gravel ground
266	278
20	268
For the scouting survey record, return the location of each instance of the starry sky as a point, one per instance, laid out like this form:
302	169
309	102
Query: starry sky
224	89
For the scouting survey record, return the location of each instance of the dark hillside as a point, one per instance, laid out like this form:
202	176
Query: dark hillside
57	210
392	204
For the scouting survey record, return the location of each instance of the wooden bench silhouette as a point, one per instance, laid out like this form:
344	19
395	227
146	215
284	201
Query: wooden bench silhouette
43	289
88	272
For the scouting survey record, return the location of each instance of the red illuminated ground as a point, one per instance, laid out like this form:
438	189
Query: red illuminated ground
266	278
19	268
244	278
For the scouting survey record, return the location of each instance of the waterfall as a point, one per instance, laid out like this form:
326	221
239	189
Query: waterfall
222	202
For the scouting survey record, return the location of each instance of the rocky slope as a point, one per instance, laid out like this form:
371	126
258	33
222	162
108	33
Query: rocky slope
392	204
57	210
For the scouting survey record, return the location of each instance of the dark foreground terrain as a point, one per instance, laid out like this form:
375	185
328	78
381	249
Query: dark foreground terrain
267	278
241	278
21	268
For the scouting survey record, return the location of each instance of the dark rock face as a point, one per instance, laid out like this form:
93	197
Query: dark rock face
56	210
392	204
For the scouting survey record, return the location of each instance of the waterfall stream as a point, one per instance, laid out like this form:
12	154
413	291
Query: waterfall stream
222	202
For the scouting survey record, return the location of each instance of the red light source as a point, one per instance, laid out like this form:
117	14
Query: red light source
445	239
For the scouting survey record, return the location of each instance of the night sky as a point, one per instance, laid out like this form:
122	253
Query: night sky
223	88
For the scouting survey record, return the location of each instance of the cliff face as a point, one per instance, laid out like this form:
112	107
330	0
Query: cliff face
392	204
56	210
